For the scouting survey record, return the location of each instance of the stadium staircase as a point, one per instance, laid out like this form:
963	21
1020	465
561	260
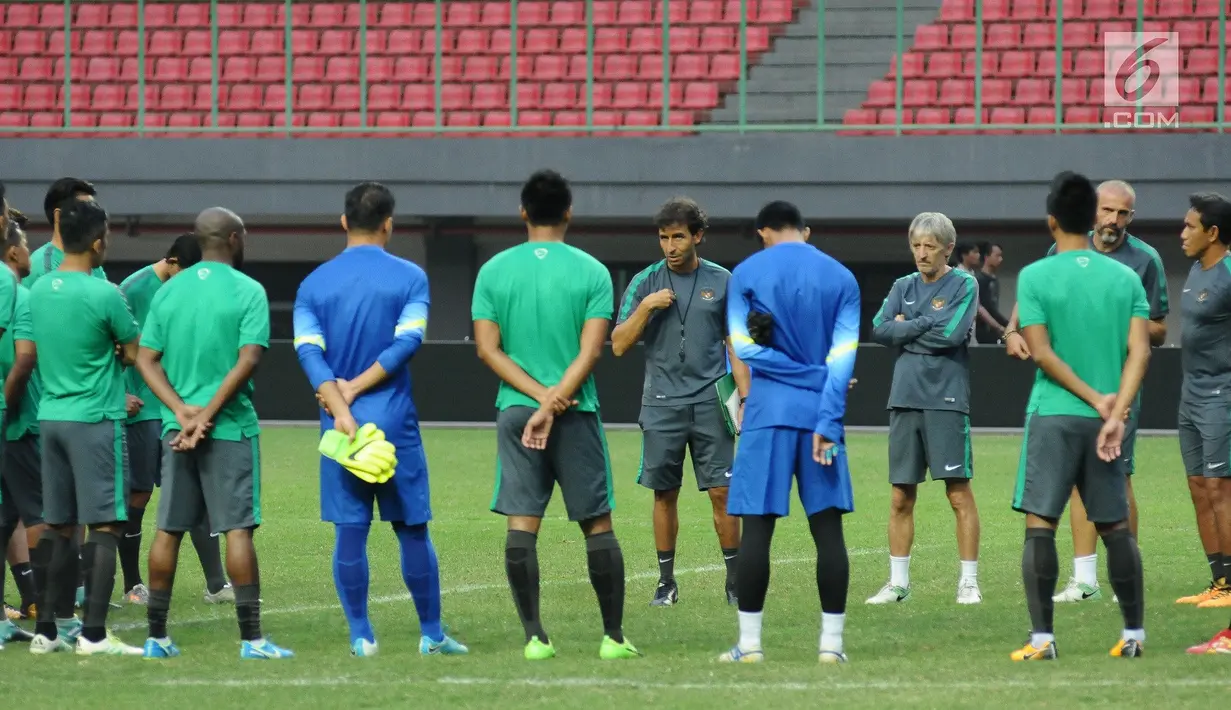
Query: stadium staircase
1019	64
401	67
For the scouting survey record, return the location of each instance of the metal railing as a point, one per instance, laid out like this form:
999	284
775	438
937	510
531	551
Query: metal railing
670	13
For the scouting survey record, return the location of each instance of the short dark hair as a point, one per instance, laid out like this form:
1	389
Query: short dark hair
986	248
13	235
66	188
546	198
779	215
81	224
1073	201
185	251
1215	211
964	248
368	205
682	210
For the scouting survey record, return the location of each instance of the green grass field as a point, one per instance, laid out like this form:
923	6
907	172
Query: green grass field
927	652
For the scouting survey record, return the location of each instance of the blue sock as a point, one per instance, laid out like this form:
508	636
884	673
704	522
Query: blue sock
350	576
421	573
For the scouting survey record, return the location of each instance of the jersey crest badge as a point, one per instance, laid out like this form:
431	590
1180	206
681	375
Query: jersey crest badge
56	284
1202	296
203	274
540	253
938	303
707	294
1083	261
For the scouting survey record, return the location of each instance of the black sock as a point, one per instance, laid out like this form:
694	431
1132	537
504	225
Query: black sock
752	580
1040	570
130	548
248	610
1217	569
66	595
55	554
666	566
1124	571
606	564
100	557
156	612
729	557
521	564
23	577
833	566
210	555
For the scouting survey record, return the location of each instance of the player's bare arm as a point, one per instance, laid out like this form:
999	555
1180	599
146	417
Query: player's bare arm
487	343
1157	328
1039	343
1134	370
1014	342
128	352
626	334
739	371
149	364
245	367
593	335
25	358
335	403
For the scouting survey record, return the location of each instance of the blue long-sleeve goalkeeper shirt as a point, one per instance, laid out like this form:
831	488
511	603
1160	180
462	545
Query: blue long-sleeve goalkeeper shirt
800	381
364	306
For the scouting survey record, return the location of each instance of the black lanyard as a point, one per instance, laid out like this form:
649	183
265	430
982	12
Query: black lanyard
683	315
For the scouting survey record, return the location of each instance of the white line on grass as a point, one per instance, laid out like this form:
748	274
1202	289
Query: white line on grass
470	588
1033	683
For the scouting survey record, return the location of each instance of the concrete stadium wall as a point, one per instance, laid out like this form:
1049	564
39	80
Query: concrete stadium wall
451	385
836	178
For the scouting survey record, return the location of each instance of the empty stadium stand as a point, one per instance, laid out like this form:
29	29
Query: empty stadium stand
401	70
1019	64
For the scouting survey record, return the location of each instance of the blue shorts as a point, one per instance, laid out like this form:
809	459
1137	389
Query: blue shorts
404	498
766	462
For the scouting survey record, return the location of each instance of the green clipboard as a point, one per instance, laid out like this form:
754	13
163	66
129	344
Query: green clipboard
728	401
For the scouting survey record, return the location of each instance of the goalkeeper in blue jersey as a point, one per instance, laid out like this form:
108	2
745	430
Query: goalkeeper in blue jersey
793	316
359	318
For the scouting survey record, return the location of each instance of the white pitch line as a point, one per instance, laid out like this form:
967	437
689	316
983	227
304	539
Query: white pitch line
470	588
1033	683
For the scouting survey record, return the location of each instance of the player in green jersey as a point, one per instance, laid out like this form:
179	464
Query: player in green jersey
78	323
1085	320
205	333
48	257
145	439
541	311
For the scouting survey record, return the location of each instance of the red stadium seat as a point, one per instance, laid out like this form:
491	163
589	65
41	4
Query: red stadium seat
237	70
931	37
559	96
914	64
1028	9
97	69
1004	36
957	92
919	92
1033	92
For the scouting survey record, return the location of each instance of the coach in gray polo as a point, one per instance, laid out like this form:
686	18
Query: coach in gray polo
679	306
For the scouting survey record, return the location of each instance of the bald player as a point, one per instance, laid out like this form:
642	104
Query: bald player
205	333
1110	236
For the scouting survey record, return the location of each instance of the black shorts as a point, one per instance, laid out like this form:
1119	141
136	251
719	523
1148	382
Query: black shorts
145	454
575	457
1060	453
21	483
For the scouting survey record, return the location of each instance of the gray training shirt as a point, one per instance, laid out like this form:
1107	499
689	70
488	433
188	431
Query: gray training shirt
700	311
932	370
1205	340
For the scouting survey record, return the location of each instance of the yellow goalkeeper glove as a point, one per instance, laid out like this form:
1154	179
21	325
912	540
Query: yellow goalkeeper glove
369	456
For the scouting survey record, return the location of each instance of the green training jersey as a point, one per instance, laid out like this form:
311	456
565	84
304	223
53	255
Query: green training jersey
139	289
47	259
541	294
1086	301
199	321
25	419
78	319
8	314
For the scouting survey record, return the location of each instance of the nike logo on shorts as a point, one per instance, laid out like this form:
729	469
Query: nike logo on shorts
909	303
953	468
1216	465
728	474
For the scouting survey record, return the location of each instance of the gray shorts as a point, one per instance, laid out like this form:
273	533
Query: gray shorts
145	454
922	440
1128	448
1205	439
701	429
575	457
85	472
1060	453
22	480
218	483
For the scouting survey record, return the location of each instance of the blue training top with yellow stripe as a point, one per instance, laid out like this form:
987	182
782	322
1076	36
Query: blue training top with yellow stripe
800	381
362	307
